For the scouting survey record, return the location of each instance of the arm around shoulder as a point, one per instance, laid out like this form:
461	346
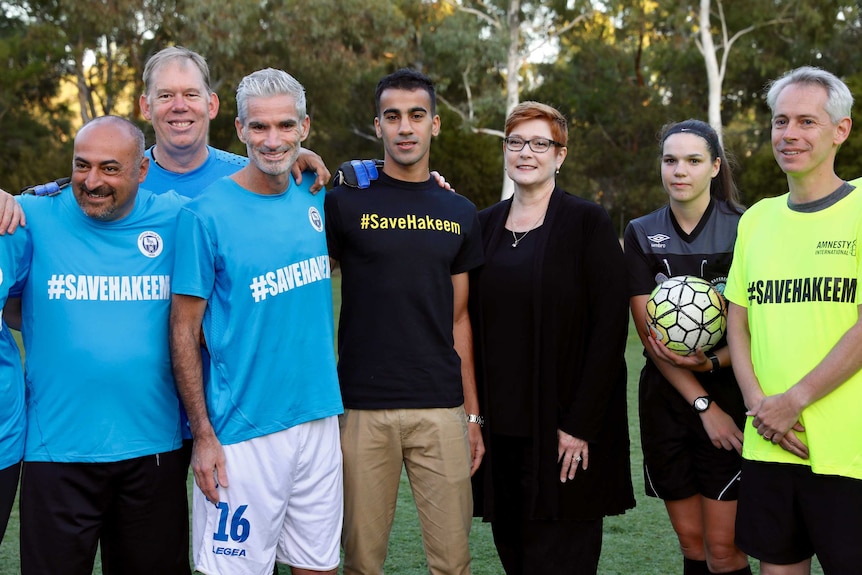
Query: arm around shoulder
11	214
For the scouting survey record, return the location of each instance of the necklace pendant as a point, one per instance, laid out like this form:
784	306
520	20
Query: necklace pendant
515	245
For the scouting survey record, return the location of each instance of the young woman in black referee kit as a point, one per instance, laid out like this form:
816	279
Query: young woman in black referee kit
691	409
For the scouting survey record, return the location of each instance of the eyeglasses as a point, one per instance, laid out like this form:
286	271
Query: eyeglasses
538	145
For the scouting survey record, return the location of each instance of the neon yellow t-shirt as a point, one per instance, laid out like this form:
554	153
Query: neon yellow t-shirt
798	274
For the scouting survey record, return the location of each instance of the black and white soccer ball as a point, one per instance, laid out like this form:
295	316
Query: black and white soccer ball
686	313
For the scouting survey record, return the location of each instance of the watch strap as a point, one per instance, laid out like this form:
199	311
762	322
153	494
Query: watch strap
473	418
716	365
703	398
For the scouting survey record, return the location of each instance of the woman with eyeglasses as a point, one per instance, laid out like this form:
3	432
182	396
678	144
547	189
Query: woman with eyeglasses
549	311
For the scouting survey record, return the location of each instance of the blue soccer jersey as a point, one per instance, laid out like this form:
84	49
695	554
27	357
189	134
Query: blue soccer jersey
14	263
190	184
95	317
218	164
261	262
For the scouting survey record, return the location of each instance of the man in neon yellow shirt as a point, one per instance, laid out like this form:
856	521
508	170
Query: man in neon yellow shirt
795	339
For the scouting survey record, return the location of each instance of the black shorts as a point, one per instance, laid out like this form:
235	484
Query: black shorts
679	459
66	506
786	514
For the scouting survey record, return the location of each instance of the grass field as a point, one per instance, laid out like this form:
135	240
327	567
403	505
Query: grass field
641	542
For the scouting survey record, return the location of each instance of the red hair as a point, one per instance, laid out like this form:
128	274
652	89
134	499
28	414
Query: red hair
537	111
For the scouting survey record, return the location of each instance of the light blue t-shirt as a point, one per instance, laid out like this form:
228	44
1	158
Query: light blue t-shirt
218	164
190	184
14	263
261	262
95	324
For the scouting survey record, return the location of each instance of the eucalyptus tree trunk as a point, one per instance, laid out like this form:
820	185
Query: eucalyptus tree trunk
513	74
714	75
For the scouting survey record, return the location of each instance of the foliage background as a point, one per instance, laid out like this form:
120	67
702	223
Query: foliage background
618	69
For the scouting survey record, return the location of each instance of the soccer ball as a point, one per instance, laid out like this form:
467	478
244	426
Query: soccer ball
686	313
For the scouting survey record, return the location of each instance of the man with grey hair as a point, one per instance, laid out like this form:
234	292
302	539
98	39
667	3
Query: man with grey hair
253	274
180	102
795	337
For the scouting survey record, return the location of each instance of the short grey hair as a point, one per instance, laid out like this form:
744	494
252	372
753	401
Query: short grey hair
174	54
267	83
839	100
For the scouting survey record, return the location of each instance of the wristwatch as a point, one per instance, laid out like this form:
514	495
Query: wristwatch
473	418
701	403
716	365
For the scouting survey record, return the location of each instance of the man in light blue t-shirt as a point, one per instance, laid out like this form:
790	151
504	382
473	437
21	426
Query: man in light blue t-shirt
252	275
103	424
180	102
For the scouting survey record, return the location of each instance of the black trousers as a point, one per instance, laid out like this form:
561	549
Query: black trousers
528	546
8	488
67	508
112	549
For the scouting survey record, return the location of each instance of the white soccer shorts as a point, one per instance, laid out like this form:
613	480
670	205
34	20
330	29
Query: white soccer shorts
284	502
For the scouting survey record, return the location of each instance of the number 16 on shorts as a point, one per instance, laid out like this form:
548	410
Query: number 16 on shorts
231	530
239	526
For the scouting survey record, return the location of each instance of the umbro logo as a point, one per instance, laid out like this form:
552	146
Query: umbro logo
658	240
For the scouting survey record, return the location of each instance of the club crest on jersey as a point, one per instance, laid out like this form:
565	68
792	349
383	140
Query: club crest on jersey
150	244
658	240
315	219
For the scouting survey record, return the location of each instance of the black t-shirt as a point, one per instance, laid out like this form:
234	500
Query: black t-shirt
399	244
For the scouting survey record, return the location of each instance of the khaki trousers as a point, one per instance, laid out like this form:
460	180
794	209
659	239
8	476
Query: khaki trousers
433	446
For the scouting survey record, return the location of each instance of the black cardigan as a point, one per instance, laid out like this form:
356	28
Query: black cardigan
580	307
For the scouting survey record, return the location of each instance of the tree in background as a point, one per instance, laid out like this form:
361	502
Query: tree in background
35	128
104	44
602	82
619	69
514	31
716	56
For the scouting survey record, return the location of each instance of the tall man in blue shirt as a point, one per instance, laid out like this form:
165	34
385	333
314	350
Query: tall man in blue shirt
253	273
